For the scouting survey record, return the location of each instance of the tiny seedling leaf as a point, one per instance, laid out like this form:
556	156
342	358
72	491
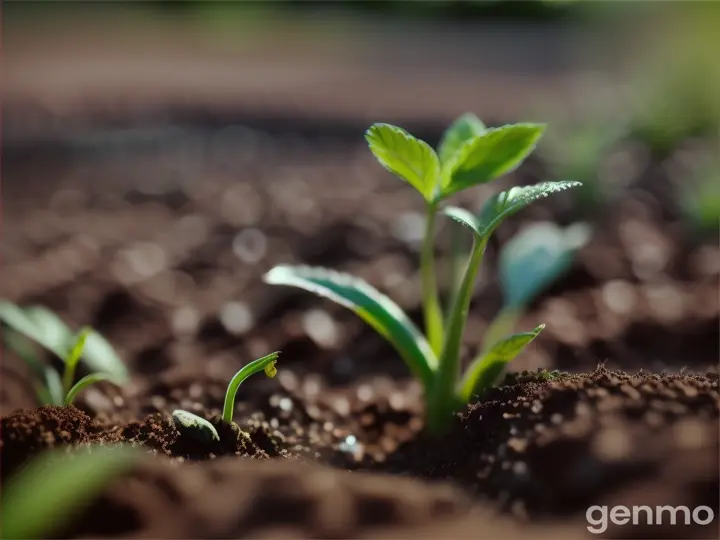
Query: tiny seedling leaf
464	217
194	426
83	383
493	153
376	309
535	257
485	370
54	487
460	131
402	154
506	203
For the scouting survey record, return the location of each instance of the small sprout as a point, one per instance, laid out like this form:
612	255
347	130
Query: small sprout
202	430
42	326
469	154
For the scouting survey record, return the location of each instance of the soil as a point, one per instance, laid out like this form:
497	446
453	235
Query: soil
165	255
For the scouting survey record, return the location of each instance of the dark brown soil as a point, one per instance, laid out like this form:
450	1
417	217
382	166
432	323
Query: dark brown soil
537	449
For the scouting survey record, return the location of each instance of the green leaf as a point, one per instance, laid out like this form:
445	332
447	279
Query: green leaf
373	307
83	383
47	384
535	257
194	426
491	154
460	131
485	370
39	324
54	487
507	203
53	386
100	356
44	327
464	217
73	358
409	158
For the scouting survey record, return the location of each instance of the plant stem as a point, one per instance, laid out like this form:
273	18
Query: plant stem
431	303
250	369
457	260
442	402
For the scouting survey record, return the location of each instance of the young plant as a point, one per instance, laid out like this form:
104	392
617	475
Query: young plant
42	326
203	430
469	154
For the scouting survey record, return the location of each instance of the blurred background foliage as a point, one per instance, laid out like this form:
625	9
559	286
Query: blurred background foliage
650	69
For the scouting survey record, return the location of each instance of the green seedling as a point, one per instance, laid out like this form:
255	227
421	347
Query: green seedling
43	497
40	325
469	154
202	430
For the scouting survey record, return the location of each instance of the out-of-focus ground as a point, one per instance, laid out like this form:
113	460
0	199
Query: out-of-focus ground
132	63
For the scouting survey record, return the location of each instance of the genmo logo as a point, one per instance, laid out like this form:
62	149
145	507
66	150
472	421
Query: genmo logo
599	517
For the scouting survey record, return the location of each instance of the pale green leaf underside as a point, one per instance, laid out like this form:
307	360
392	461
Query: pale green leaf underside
100	356
379	311
485	370
53	386
402	154
493	153
460	131
506	203
53	488
38	324
464	217
537	256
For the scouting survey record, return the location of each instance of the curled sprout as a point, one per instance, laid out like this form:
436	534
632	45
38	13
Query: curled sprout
203	430
266	363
